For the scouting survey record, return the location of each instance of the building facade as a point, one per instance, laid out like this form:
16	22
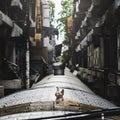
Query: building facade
95	38
24	33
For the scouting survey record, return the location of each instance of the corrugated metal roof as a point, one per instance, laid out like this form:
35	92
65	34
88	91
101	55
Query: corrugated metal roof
48	94
42	97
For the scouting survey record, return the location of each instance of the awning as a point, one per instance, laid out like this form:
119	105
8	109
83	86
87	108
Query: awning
117	3
16	31
5	19
16	3
85	41
78	48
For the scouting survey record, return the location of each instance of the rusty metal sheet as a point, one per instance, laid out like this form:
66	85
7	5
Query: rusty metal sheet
33	115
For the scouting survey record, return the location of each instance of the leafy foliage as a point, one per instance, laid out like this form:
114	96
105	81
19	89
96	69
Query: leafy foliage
67	10
52	13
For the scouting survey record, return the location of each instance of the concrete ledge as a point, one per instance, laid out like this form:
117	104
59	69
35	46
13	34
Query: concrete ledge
11	84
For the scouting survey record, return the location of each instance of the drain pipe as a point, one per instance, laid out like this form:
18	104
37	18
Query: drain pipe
27	66
26	30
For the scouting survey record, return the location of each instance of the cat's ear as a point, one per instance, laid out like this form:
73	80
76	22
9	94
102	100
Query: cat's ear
57	88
